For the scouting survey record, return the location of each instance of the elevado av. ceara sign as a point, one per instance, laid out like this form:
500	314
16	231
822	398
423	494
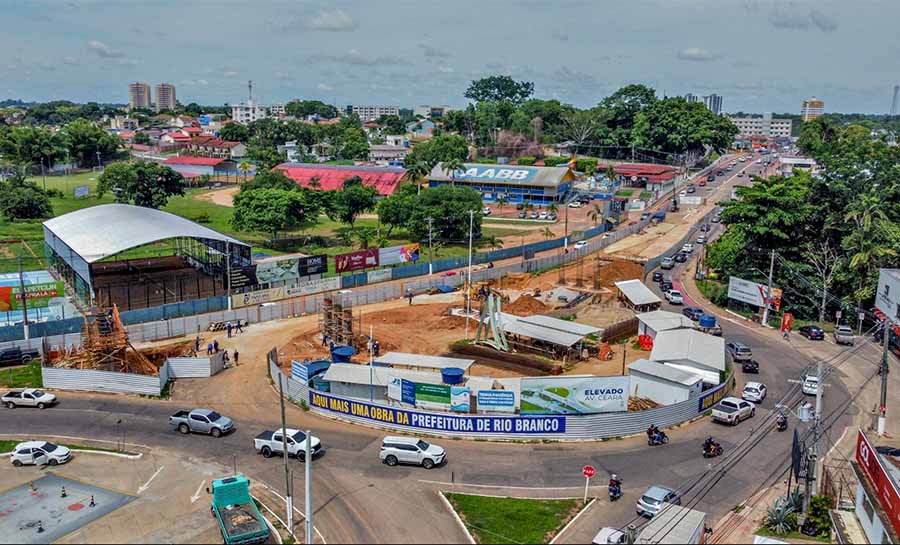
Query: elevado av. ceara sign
438	422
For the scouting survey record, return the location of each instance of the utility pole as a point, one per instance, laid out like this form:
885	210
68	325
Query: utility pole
43	175
469	273
309	509
566	235
765	319
430	221
371	363
812	474
287	476
24	296
882	416
228	271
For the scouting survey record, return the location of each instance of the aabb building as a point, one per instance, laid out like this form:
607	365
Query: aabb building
517	184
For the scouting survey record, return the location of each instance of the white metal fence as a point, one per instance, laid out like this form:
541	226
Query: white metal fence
105	381
196	367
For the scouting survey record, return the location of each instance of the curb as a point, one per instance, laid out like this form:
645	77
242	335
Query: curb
456	516
271	526
571	522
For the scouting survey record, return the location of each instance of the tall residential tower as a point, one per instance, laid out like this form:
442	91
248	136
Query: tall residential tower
165	97
138	95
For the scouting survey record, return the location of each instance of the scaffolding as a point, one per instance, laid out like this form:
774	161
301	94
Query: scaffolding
336	321
105	347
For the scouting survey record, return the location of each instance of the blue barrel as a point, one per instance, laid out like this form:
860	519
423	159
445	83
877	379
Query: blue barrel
342	354
452	375
707	320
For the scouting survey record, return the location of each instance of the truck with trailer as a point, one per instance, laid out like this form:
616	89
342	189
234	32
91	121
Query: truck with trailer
239	519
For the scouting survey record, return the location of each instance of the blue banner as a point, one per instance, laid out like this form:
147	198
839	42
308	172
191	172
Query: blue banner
510	425
299	371
407	391
711	397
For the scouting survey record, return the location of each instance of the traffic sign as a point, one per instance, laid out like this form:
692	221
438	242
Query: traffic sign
588	471
837	314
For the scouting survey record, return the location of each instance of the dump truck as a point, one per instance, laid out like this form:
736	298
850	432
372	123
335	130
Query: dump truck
239	519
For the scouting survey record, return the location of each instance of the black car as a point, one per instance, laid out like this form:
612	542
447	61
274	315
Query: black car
693	313
657	276
704	227
680	257
711	178
665	286
720	173
890	451
17	356
750	366
812	332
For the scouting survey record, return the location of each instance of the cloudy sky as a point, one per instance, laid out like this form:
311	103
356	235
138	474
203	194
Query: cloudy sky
761	55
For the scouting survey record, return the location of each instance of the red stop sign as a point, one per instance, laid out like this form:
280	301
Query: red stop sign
588	471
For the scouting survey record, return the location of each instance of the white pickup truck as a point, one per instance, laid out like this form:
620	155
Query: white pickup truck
732	410
272	442
28	398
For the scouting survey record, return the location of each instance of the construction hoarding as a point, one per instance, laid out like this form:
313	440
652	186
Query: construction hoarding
355	261
380	275
398	255
36	295
291	269
752	293
276	294
574	395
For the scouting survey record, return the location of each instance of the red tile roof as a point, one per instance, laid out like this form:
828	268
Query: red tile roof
331	177
188	160
195	130
178	136
653	173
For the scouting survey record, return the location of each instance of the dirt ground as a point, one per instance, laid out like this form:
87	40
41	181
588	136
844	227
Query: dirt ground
222	197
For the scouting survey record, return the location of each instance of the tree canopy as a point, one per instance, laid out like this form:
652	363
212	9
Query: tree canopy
499	88
271	210
442	147
23	200
143	183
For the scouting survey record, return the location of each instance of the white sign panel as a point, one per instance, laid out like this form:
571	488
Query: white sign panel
690	200
381	275
276	294
574	395
749	292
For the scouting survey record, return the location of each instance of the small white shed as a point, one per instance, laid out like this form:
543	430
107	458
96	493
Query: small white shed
661	383
651	323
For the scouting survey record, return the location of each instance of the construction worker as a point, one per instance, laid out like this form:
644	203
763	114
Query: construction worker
228	327
239	327
409	294
216	346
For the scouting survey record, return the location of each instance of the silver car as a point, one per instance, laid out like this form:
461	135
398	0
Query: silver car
653	499
409	450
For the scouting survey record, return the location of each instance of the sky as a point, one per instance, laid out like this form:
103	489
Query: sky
760	55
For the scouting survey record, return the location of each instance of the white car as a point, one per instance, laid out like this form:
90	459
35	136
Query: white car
32	453
687	248
682	194
810	385
580	244
409	450
754	391
701	239
486	211
542	216
609	536
575	204
674	297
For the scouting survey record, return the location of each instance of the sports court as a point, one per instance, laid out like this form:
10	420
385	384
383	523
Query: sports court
23	510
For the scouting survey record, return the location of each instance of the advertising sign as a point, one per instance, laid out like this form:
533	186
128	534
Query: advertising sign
460	399
393	389
36	295
381	275
407	391
503	401
314	286
787	322
81	191
870	463
396	255
259	297
490	172
354	261
243	276
287	270
426	421
433	393
706	401
574	395
751	292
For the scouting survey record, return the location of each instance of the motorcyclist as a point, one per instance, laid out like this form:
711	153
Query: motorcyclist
652	432
615	484
709	444
781	421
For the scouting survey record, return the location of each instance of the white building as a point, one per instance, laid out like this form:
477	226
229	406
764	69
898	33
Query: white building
432	111
714	103
634	294
763	126
385	154
692	352
663	384
277	110
248	112
371	113
651	323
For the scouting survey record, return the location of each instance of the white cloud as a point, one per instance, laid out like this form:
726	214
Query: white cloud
230	73
332	21
282	75
324	87
104	50
432	52
445	69
194	82
696	54
789	17
357	58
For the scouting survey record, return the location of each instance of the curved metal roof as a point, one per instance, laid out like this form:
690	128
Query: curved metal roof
98	232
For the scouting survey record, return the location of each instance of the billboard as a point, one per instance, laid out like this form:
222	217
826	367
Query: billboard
751	293
380	275
433	393
287	270
354	261
243	276
36	295
503	401
460	399
870	463
574	395
426	421
259	297
397	255
403	390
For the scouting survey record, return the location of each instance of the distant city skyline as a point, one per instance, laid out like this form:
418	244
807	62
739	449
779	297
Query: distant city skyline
355	52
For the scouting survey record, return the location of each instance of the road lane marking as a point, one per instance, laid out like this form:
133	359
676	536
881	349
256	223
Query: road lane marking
196	495
146	485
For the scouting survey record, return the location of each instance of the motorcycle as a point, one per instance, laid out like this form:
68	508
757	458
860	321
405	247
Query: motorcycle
713	451
615	492
781	423
658	439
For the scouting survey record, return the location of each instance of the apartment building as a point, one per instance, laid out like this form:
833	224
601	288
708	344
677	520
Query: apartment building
371	113
165	97
763	126
248	112
138	95
812	108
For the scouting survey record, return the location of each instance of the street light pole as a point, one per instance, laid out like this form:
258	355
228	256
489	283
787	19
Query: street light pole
309	509
765	318
430	221
469	273
24	296
882	416
289	501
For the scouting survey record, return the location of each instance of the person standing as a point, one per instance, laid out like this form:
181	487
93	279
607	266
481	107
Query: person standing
236	355
239	328
409	294
216	346
228	327
209	348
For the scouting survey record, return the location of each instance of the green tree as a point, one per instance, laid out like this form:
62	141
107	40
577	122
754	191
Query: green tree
245	167
449	206
353	200
88	143
395	210
353	145
596	214
675	126
501	201
451	167
141	138
416	171
442	147
271	211
143	183
234	132
499	88
30	145
391	124
304	108
266	156
490	241
23	200
270	179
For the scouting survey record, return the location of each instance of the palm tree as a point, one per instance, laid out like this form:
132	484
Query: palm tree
548	233
501	200
596	214
450	167
245	167
490	241
610	173
416	172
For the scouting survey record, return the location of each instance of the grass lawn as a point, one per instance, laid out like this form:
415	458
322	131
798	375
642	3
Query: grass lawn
26	376
513	520
67	184
765	532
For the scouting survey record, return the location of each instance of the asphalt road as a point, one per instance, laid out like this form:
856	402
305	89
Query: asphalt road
357	499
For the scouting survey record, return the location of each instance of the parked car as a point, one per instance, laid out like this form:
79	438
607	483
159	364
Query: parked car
552	216
810	385
711	178
754	391
409	450
32	453
702	183
720	173
575	204
201	421
17	356
750	367
486	211
542	216
580	244
739	351
653	499
657	276
645	215
843	334
812	332
687	248
533	216
682	193
691	189
715	219
705	227
523	214
693	313
272	442
680	257
732	410
28	398
701	239
665	286
741	174
609	536
674	297
667	263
